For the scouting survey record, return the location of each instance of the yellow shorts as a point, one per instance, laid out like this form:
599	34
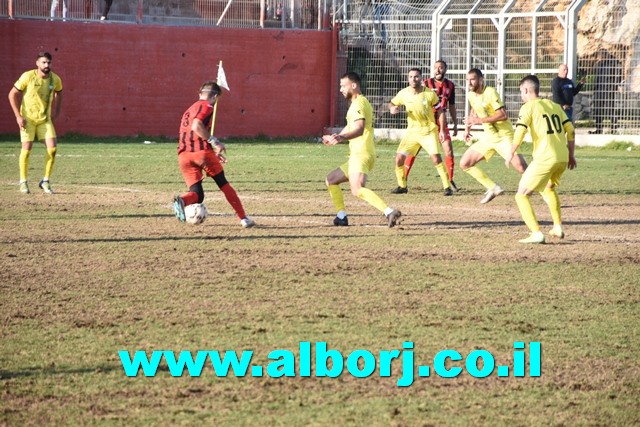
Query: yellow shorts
410	144
37	132
358	164
488	146
539	174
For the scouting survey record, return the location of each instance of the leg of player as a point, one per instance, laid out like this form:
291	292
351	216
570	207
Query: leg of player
449	162
550	196
401	173
444	178
25	154
357	182
468	164
528	215
333	181
233	199
51	144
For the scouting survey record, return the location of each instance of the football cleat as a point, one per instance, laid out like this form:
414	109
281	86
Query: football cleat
247	222
400	190
492	194
393	218
178	208
46	187
24	188
536	237
341	222
448	192
557	231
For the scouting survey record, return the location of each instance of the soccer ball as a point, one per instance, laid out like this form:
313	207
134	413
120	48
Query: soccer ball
195	214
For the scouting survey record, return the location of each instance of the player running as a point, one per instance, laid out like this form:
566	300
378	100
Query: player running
487	109
553	138
362	154
200	151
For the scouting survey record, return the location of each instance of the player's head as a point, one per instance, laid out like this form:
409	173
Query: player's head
43	62
439	69
349	84
529	87
415	78
209	91
475	80
563	70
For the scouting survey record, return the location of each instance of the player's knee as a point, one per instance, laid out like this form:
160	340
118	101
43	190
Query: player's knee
197	188
220	179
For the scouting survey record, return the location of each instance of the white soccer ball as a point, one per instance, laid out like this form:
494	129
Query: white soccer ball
195	214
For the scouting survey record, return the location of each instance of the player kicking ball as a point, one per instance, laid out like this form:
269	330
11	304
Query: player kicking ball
200	153
553	138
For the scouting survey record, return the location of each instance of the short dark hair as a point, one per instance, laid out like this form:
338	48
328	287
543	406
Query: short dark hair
351	75
442	61
44	55
416	69
475	71
533	81
211	87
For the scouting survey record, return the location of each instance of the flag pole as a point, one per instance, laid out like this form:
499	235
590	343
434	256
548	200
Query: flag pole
215	105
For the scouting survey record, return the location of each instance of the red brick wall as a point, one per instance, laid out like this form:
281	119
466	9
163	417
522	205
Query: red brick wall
126	79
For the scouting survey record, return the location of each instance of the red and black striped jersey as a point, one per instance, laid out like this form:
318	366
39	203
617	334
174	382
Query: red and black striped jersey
188	140
445	90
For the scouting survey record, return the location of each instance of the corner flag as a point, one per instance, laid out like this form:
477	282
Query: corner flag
222	78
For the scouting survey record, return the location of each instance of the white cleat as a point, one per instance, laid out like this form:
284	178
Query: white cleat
247	222
491	194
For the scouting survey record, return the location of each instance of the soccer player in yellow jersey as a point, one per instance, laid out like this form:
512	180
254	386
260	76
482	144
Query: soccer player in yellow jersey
487	109
422	130
362	154
35	100
553	138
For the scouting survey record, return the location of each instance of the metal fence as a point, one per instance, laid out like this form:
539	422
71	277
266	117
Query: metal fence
286	14
506	39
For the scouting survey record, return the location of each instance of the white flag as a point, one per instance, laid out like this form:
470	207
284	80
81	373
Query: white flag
222	78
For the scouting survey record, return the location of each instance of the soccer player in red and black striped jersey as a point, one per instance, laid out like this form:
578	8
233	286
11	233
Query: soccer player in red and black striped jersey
446	91
199	151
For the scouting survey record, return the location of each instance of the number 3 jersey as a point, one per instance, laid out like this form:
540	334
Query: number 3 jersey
549	127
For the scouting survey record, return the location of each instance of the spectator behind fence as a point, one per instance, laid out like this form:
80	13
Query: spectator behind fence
106	6
54	8
563	90
607	85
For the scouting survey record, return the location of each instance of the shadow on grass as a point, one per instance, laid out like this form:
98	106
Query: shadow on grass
56	370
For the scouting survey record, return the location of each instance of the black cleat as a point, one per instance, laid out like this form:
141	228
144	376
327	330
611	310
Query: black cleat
448	192
393	218
341	222
400	190
453	186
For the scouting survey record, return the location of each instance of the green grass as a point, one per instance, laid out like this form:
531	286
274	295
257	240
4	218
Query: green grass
103	266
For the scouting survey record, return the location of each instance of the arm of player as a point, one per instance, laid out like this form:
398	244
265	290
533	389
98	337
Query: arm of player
57	105
344	135
571	143
394	109
518	137
201	130
15	100
467	127
454	117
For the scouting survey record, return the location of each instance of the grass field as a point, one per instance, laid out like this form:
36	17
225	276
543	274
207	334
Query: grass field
103	266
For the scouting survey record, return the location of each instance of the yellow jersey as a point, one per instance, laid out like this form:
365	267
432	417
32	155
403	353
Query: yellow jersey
549	127
360	109
419	106
486	104
37	95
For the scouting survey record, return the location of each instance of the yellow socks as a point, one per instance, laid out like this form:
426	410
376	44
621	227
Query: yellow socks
553	201
528	215
49	161
400	176
481	177
444	177
336	197
372	198
24	164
